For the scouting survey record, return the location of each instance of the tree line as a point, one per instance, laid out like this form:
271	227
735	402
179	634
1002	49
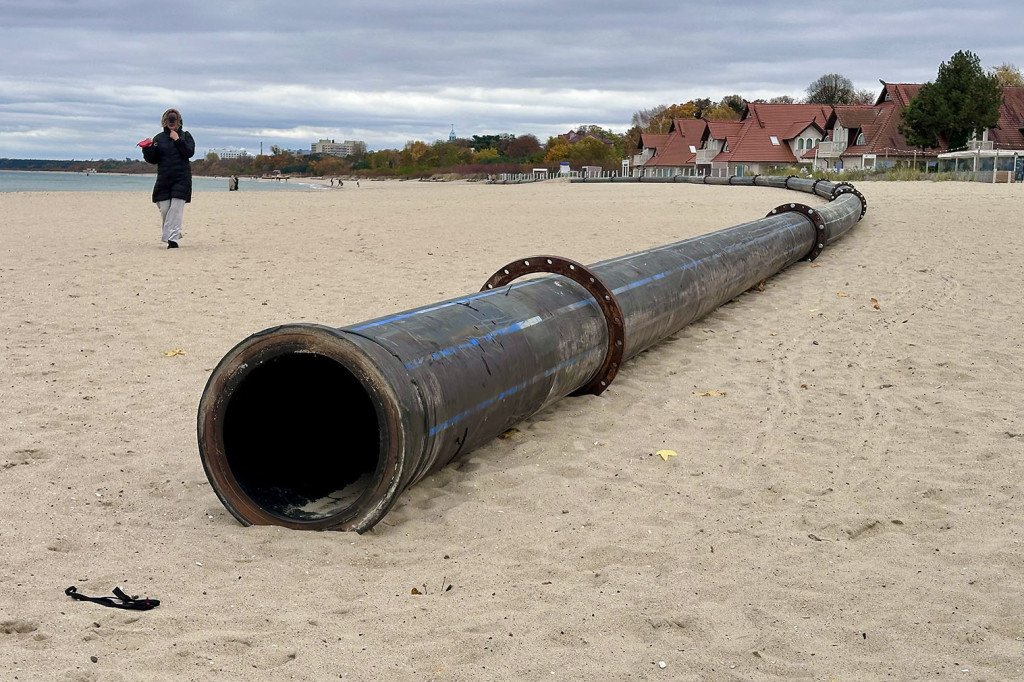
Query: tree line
964	100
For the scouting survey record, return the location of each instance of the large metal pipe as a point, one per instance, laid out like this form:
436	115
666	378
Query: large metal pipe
314	427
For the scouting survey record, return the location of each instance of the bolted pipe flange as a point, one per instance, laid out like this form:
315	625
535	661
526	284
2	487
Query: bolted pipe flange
583	276
847	188
816	219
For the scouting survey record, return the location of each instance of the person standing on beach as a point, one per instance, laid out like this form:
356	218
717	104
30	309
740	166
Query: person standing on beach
171	150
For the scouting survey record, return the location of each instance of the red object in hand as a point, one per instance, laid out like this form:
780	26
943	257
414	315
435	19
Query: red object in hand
145	143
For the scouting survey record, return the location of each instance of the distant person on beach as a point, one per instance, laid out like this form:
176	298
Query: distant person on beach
171	150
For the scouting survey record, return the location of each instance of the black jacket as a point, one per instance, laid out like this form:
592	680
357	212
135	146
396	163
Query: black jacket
173	170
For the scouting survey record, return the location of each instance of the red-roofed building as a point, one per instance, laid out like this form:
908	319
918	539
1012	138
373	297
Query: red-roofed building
1009	131
772	135
842	137
868	136
675	152
1001	148
649	146
767	135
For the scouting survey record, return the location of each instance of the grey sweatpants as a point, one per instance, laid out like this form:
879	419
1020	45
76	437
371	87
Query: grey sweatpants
171	212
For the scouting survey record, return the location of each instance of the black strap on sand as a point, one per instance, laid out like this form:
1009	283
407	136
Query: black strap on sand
126	602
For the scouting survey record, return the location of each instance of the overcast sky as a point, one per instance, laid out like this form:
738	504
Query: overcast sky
87	80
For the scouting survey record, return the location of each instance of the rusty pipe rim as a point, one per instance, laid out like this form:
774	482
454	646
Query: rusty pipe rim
289	343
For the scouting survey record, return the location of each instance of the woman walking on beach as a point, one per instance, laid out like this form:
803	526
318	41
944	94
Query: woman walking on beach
171	150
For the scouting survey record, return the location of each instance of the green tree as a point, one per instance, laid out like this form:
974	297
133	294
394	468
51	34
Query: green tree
832	89
482	142
963	101
923	121
734	102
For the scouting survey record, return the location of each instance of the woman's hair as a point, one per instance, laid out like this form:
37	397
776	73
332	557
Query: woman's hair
163	119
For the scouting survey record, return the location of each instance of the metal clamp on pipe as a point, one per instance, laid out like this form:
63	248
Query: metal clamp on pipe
583	276
818	224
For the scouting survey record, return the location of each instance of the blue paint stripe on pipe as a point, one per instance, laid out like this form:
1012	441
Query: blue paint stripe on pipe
517	326
484	294
451	421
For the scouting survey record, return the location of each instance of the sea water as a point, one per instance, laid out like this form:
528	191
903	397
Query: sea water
46	181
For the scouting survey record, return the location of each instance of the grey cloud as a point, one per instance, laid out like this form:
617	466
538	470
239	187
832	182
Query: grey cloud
405	69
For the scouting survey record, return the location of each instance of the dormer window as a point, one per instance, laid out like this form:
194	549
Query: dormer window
725	146
860	139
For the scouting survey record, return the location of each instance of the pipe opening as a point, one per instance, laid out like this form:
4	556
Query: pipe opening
302	437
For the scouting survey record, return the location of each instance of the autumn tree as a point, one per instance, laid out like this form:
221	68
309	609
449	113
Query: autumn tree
523	147
661	122
384	159
557	150
1008	75
702	104
832	89
630	142
863	97
486	155
591	151
451	153
642	119
328	165
963	101
720	112
412	155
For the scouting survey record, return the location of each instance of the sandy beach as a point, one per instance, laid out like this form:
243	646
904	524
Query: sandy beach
848	508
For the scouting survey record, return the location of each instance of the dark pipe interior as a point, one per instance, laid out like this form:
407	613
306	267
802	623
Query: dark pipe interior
301	436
